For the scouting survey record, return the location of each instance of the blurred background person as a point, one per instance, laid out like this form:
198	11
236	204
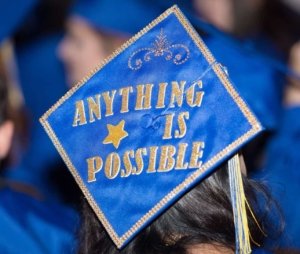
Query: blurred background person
40	75
281	171
96	28
29	223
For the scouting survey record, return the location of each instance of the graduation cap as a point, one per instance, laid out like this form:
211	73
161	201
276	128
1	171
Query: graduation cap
151	122
118	16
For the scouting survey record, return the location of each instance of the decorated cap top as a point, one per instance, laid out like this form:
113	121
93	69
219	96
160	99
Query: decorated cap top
148	124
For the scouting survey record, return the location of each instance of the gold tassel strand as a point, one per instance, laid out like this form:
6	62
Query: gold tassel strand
238	199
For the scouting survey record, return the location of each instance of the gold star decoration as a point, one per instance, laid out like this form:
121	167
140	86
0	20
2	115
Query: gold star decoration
115	134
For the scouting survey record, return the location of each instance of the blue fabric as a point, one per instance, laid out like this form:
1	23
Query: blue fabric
12	14
261	251
123	195
40	73
42	81
31	226
127	17
282	174
262	86
257	81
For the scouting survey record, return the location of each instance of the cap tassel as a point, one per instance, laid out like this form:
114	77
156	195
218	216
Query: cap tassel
242	234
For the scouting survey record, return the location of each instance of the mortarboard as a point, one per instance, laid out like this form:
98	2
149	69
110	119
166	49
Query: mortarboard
36	61
125	17
148	124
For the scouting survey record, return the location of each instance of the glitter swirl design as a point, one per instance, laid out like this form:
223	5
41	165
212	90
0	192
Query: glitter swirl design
177	53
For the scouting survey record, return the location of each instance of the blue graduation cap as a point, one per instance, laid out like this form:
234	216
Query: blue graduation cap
36	62
156	118
12	14
125	17
258	82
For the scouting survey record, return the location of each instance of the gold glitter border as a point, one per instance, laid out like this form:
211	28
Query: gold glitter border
256	127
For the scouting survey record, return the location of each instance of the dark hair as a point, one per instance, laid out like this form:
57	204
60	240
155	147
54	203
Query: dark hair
10	110
202	216
281	23
3	101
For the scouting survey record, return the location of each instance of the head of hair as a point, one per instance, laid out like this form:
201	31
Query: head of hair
203	216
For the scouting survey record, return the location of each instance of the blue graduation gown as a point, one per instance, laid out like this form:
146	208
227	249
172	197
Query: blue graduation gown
28	225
